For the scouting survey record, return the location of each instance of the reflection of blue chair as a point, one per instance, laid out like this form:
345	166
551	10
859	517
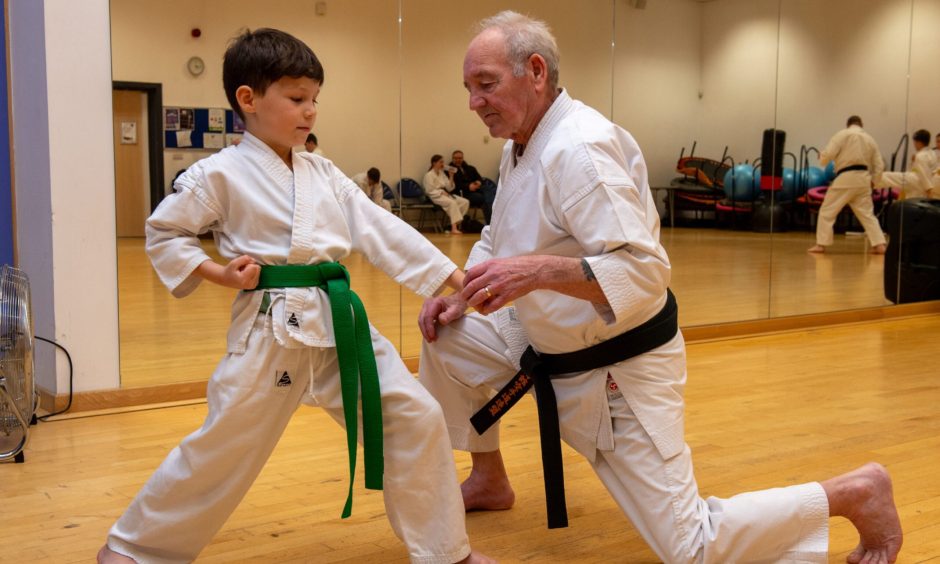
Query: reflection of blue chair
414	198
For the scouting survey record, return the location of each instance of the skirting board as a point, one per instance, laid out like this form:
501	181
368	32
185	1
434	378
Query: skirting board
109	399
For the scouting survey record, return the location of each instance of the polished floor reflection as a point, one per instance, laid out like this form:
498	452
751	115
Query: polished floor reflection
718	276
761	411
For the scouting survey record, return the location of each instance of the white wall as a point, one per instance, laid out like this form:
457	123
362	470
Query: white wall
65	203
657	77
924	108
836	62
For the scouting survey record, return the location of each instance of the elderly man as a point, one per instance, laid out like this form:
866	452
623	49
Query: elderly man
574	243
858	165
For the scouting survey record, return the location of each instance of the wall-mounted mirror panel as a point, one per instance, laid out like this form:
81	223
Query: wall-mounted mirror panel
164	340
694	83
697	83
837	59
436	118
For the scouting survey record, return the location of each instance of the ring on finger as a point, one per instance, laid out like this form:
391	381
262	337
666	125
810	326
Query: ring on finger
489	294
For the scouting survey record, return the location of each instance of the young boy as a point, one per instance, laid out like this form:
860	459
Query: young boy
267	205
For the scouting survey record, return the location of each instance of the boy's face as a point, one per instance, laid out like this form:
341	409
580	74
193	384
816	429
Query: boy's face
283	116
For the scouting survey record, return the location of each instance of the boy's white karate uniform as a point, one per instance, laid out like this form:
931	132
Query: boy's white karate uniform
582	182
255	205
921	181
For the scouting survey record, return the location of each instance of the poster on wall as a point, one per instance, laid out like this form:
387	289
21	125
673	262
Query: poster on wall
187	118
171	119
128	133
216	119
238	126
213	140
184	138
232	139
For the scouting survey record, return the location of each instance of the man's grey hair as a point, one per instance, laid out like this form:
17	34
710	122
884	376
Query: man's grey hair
525	36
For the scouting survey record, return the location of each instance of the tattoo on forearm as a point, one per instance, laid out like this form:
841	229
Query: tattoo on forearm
588	273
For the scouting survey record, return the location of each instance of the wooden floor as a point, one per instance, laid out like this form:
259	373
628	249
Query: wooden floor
761	411
718	276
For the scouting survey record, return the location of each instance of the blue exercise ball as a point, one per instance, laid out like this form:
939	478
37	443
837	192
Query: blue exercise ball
813	177
739	183
788	192
830	172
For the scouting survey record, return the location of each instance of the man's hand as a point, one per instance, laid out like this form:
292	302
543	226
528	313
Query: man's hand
474	186
440	311
492	284
241	273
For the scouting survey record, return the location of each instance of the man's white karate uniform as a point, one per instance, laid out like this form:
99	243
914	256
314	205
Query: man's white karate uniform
583	184
255	205
373	192
851	146
921	181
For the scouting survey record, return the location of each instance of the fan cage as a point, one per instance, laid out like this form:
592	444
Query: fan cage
17	392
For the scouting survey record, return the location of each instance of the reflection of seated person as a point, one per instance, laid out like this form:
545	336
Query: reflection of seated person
470	185
438	186
920	181
312	145
371	183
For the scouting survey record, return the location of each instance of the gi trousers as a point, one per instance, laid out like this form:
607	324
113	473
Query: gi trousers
199	484
471	359
859	199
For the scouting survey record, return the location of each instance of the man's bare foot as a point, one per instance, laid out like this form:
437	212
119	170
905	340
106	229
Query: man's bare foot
108	556
879	249
482	493
864	496
477	558
816	249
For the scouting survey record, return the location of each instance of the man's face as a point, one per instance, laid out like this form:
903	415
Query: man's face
458	159
502	101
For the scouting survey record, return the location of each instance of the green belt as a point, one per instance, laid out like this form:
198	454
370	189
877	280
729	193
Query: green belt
356	359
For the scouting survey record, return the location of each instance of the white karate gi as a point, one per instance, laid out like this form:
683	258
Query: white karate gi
438	186
255	205
583	184
921	181
374	192
851	146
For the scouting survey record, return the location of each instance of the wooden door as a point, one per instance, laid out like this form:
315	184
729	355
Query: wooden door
131	169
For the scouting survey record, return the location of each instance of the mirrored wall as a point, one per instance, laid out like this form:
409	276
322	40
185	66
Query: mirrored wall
697	83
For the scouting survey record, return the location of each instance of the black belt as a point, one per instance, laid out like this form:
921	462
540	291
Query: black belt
852	167
539	369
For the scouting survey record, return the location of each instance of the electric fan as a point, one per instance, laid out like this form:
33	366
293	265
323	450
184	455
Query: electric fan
17	393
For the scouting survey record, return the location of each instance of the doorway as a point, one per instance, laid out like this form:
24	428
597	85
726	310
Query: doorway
138	153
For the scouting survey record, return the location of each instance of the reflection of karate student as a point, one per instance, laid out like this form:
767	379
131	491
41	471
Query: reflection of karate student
284	218
858	163
575	244
371	183
438	186
921	180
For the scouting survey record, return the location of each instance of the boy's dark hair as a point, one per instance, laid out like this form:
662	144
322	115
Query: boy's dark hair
853	120
258	58
311	138
373	174
922	136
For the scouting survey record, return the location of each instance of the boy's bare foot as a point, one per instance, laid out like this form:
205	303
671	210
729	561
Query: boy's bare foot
864	496
816	249
477	558
108	556
879	249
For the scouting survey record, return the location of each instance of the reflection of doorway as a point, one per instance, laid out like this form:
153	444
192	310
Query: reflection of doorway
138	153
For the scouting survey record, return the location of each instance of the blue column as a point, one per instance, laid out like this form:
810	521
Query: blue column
6	192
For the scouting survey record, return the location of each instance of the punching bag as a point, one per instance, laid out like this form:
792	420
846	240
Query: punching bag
771	159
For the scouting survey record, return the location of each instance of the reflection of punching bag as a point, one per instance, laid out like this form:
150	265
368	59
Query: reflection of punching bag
771	159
